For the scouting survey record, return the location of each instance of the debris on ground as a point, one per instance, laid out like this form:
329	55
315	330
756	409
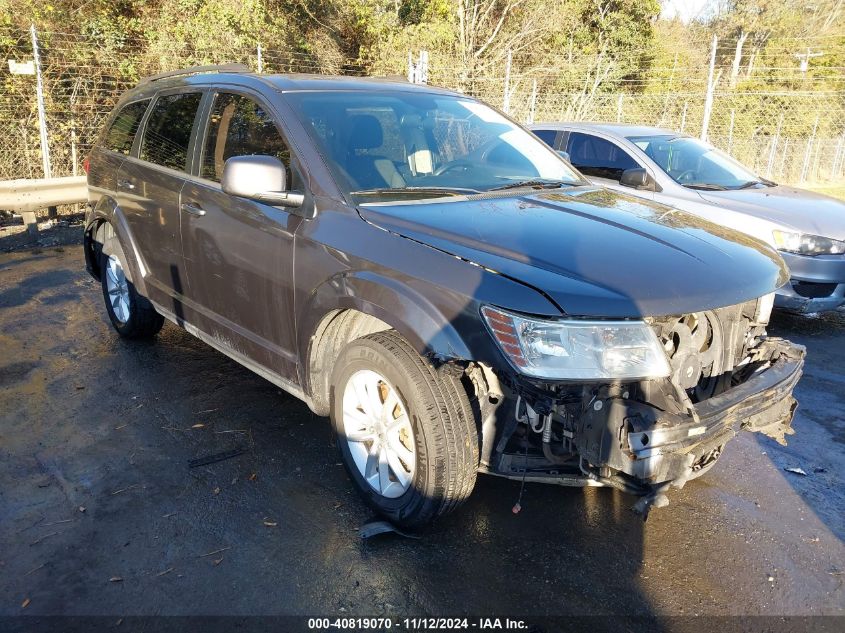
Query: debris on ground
376	527
270	523
37	541
217	457
132	487
115	579
797	471
217	551
25	603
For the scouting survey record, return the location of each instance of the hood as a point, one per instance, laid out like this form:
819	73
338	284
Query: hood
804	211
593	251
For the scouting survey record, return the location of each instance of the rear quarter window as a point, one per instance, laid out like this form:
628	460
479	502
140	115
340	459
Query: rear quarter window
167	133
121	133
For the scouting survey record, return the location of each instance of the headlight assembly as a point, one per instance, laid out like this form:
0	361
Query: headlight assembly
578	350
805	244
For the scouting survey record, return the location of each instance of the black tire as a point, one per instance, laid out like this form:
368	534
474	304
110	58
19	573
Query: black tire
444	428
143	321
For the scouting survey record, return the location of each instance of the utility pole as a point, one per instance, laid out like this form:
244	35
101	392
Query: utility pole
804	59
418	72
711	85
506	101
533	109
42	116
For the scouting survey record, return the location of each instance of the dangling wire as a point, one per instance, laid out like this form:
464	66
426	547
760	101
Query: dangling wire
517	507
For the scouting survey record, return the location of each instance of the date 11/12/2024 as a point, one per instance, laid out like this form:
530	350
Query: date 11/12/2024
418	624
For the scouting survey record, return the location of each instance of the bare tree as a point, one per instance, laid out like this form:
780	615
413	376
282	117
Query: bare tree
737	57
487	29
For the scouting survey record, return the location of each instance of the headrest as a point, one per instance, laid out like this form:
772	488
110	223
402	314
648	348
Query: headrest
365	132
414	120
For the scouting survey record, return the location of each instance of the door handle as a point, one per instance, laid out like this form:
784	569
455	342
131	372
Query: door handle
192	209
125	184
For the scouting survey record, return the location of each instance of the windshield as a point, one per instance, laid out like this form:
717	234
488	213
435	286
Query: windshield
405	145
695	164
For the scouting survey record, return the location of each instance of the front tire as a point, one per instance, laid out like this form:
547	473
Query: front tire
132	315
405	430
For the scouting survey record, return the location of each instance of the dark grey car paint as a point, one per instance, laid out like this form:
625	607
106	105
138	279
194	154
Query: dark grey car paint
594	252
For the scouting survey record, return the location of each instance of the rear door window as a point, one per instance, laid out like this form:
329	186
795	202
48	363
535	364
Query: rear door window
547	136
597	157
239	126
122	132
167	133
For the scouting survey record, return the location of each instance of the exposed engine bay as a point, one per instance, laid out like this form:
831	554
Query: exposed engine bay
646	436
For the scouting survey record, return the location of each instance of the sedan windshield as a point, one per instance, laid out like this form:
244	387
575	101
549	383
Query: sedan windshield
406	145
695	164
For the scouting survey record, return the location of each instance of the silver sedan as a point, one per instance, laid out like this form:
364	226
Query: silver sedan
808	229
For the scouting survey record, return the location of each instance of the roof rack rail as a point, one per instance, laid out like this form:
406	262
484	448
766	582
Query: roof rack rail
195	70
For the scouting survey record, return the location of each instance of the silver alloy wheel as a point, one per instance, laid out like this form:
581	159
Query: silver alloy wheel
118	289
379	433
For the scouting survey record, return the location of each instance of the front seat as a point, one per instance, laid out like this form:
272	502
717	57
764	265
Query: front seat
369	171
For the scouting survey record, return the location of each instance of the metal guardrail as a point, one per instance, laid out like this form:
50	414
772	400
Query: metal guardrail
28	195
25	196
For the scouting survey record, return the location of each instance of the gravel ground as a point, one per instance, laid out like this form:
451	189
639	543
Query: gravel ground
101	515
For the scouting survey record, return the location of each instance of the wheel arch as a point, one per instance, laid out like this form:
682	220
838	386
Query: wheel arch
351	306
108	221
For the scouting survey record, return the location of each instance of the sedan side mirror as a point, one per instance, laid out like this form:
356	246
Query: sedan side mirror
563	155
637	178
261	178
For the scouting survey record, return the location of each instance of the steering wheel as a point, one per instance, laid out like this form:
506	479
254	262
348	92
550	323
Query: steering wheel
687	174
455	164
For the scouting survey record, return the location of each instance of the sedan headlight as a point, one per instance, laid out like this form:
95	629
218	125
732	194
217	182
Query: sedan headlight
805	244
578	350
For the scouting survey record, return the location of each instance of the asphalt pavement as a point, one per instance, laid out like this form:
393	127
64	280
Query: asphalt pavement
101	514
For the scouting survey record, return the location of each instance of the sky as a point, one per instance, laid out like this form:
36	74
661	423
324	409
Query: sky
686	10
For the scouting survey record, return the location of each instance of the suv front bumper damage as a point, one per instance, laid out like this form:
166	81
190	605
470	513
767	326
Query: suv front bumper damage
672	448
616	437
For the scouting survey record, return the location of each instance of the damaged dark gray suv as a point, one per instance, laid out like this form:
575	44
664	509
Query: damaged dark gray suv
413	264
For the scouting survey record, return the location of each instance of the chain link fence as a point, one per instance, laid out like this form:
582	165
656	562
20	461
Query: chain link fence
789	136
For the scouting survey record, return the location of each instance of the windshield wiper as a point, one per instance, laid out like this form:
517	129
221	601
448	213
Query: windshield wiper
751	183
411	190
536	183
705	186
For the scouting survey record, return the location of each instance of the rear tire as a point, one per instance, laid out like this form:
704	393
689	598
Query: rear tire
419	460
132	315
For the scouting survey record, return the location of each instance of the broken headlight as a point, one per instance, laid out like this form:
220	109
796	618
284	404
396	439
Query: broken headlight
578	350
805	244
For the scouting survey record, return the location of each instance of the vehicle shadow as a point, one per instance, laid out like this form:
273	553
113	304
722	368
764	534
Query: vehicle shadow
821	398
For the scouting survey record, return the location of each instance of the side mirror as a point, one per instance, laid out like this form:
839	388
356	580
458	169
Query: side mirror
261	178
637	178
563	155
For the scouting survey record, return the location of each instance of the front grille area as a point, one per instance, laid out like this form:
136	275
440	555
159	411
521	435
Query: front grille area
705	347
813	290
